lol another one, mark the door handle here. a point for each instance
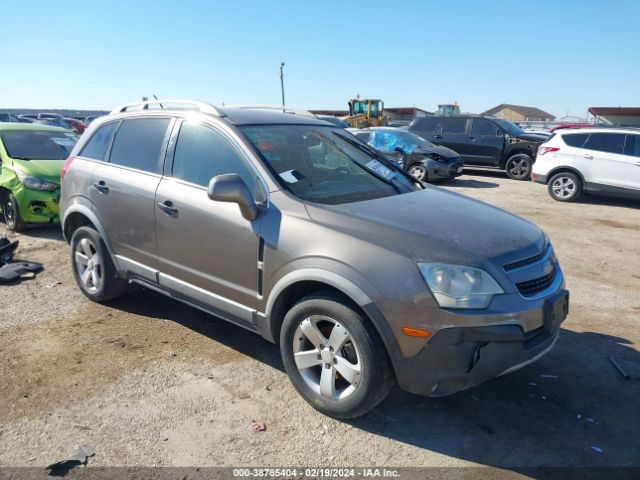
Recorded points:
(586, 155)
(438, 136)
(168, 208)
(101, 187)
(472, 138)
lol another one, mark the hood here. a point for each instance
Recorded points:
(444, 152)
(44, 169)
(435, 225)
(534, 137)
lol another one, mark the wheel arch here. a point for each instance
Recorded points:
(566, 169)
(77, 215)
(516, 151)
(301, 282)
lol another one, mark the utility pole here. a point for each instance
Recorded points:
(282, 83)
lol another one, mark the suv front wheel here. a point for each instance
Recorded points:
(518, 167)
(337, 363)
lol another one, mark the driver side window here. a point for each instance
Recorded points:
(201, 153)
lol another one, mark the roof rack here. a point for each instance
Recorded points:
(281, 108)
(167, 105)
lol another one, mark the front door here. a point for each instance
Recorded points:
(207, 250)
(632, 152)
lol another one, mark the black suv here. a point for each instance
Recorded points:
(483, 141)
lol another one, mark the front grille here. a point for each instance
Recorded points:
(531, 287)
(524, 261)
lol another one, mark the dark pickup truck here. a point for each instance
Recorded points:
(483, 141)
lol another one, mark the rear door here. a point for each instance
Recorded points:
(124, 191)
(454, 135)
(485, 143)
(632, 152)
(602, 162)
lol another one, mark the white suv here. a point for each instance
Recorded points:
(592, 160)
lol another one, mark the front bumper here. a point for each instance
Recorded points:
(38, 206)
(444, 170)
(459, 358)
(470, 347)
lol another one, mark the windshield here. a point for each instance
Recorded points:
(38, 145)
(388, 141)
(326, 165)
(509, 127)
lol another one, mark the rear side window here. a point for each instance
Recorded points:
(455, 125)
(632, 146)
(483, 127)
(606, 142)
(202, 153)
(575, 139)
(427, 124)
(96, 147)
(138, 143)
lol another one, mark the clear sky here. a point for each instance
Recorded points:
(558, 56)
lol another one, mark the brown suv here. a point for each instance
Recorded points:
(290, 227)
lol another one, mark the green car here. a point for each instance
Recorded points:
(31, 157)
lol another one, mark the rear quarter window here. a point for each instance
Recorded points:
(575, 139)
(138, 143)
(96, 147)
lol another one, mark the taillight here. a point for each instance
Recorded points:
(544, 150)
(65, 167)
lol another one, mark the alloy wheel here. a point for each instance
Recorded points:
(327, 357)
(417, 171)
(89, 265)
(519, 167)
(563, 187)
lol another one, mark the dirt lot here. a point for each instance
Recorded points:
(148, 381)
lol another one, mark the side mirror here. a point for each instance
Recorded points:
(231, 188)
(398, 149)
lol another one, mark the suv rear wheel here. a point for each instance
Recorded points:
(565, 187)
(518, 167)
(338, 365)
(93, 268)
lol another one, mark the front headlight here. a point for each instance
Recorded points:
(35, 183)
(458, 286)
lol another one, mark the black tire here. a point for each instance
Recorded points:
(111, 285)
(423, 176)
(11, 213)
(375, 379)
(565, 187)
(518, 167)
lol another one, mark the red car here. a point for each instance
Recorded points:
(571, 125)
(77, 125)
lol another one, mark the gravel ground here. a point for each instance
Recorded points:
(150, 382)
